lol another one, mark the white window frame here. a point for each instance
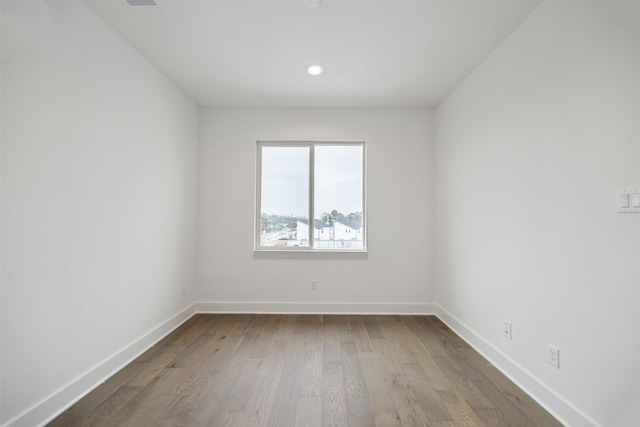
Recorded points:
(311, 238)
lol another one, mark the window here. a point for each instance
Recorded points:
(310, 196)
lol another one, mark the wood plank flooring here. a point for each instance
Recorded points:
(308, 370)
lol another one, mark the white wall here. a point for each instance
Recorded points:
(531, 149)
(398, 274)
(99, 157)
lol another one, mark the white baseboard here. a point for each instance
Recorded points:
(50, 407)
(53, 405)
(314, 308)
(559, 407)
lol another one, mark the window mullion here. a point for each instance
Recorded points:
(312, 222)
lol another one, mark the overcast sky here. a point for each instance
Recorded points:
(338, 180)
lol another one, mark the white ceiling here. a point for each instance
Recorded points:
(381, 53)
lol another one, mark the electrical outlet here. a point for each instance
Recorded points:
(553, 356)
(506, 329)
(314, 284)
(184, 289)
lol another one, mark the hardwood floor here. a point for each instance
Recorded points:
(308, 370)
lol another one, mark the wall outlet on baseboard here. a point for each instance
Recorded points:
(506, 329)
(553, 355)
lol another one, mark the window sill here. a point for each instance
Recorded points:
(308, 254)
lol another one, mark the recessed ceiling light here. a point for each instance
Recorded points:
(315, 70)
(311, 3)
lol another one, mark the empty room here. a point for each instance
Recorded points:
(320, 212)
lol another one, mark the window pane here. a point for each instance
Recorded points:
(338, 197)
(284, 196)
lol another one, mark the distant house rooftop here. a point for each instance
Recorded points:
(316, 223)
(351, 224)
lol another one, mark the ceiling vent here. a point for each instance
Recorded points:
(142, 3)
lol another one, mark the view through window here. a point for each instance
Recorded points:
(296, 178)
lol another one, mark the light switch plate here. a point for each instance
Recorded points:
(627, 200)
